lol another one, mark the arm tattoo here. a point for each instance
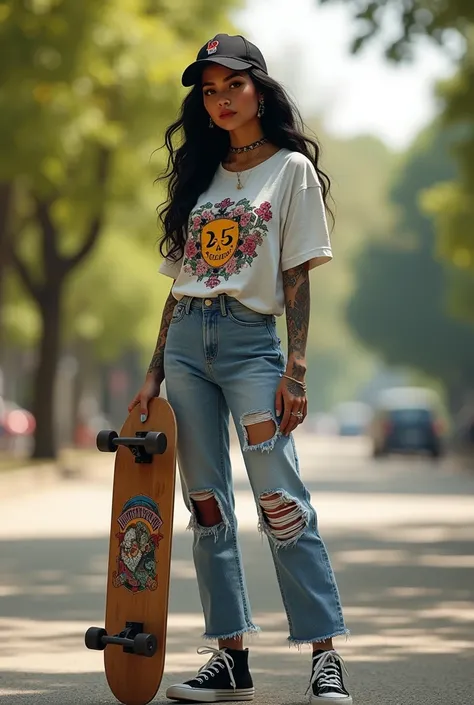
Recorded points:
(156, 365)
(294, 388)
(297, 301)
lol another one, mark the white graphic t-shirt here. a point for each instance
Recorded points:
(240, 241)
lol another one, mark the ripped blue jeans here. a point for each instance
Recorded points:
(222, 357)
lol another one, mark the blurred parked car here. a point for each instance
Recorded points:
(408, 420)
(17, 425)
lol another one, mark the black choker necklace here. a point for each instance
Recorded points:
(249, 147)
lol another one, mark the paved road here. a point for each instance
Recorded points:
(400, 533)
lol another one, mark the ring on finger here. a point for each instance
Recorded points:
(298, 414)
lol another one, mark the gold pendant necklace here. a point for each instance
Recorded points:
(239, 183)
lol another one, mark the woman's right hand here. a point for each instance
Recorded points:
(150, 389)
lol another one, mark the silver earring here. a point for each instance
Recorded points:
(261, 108)
(211, 124)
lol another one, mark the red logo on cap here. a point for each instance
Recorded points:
(212, 46)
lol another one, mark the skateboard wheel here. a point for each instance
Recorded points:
(145, 645)
(155, 443)
(105, 441)
(93, 638)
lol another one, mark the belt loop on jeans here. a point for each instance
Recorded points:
(188, 304)
(222, 304)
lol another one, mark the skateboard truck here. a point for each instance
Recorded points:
(144, 445)
(132, 639)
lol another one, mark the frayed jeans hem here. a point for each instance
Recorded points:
(251, 629)
(318, 639)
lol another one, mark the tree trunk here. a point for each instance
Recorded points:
(49, 294)
(6, 193)
(46, 371)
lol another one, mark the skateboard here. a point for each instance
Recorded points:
(134, 637)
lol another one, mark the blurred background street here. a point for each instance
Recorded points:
(400, 537)
(87, 90)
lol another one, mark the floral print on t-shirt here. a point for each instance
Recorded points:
(224, 239)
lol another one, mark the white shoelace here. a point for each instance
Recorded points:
(327, 672)
(220, 659)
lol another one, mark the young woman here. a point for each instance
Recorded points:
(244, 223)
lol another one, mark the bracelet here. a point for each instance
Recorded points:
(302, 384)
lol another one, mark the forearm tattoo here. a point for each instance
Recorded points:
(297, 302)
(157, 361)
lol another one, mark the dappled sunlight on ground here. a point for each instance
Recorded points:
(393, 557)
(403, 560)
(56, 591)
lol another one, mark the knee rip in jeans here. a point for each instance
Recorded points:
(208, 519)
(283, 518)
(264, 435)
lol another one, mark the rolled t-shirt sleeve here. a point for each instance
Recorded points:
(305, 236)
(170, 268)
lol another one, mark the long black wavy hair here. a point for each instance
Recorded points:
(192, 166)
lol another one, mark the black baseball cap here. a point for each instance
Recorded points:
(234, 52)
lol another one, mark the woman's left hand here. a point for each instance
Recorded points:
(291, 399)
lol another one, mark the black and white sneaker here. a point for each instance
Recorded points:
(225, 676)
(327, 683)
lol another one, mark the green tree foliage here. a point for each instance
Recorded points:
(450, 202)
(398, 308)
(115, 302)
(360, 170)
(408, 20)
(86, 89)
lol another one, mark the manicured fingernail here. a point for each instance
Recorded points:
(143, 418)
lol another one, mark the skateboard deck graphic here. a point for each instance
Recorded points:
(136, 614)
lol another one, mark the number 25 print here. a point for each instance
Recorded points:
(219, 240)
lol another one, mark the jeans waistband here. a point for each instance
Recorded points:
(209, 303)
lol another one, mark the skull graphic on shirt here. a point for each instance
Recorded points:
(219, 239)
